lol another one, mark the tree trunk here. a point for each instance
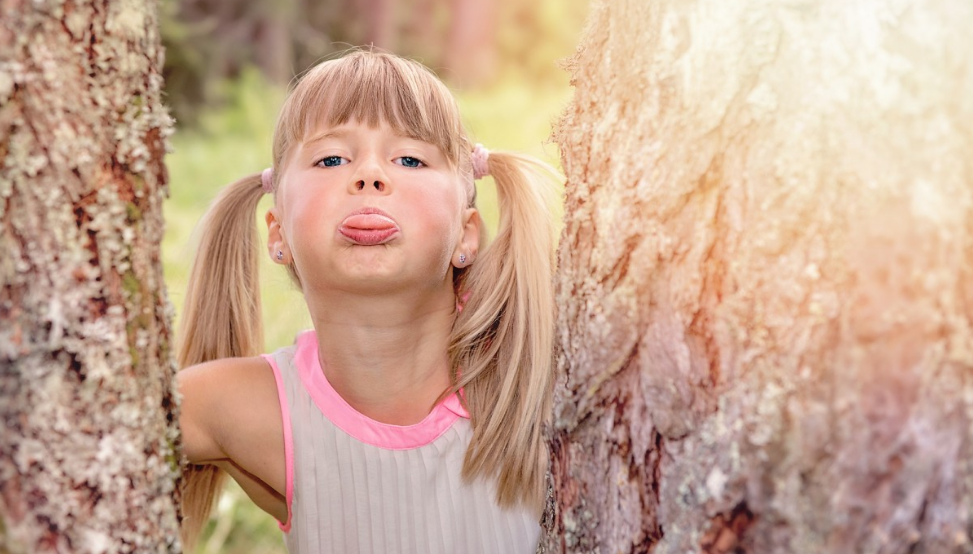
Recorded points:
(471, 52)
(274, 46)
(421, 34)
(379, 19)
(766, 280)
(87, 455)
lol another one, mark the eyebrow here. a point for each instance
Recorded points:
(330, 133)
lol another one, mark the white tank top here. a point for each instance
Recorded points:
(358, 485)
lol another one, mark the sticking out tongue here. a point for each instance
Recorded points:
(368, 229)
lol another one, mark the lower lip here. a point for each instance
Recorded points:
(368, 237)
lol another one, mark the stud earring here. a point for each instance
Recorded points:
(280, 255)
(462, 258)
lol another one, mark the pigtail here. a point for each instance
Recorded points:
(221, 319)
(502, 341)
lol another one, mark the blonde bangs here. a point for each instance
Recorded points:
(373, 88)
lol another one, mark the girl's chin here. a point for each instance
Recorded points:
(365, 278)
(371, 280)
(366, 238)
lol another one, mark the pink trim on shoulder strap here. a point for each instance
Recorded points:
(285, 416)
(360, 426)
(454, 405)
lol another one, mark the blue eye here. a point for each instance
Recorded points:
(409, 161)
(330, 161)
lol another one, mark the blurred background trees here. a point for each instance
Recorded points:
(227, 68)
(469, 43)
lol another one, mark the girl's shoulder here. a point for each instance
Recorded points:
(221, 397)
(230, 417)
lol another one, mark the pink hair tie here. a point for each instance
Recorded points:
(267, 180)
(480, 157)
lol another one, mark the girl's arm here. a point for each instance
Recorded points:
(230, 417)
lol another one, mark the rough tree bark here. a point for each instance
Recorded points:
(766, 279)
(87, 458)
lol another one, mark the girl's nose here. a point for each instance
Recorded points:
(379, 186)
(369, 176)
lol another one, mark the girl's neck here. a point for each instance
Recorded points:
(386, 356)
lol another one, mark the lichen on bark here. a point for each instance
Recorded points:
(766, 280)
(87, 456)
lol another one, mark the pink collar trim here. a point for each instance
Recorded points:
(360, 426)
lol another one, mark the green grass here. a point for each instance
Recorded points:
(234, 141)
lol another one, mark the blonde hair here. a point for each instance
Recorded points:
(502, 341)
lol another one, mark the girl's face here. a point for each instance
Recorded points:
(363, 209)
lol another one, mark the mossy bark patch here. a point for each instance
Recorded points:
(88, 457)
(765, 282)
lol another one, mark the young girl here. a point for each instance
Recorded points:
(411, 418)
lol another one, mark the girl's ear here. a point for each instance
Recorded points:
(469, 239)
(276, 243)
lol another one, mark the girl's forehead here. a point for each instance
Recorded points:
(324, 128)
(355, 129)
